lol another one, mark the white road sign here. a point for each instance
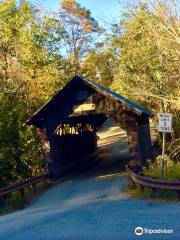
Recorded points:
(165, 122)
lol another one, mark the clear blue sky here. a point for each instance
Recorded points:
(105, 11)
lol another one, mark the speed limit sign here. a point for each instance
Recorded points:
(165, 122)
(164, 126)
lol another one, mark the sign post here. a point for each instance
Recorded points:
(164, 126)
(163, 153)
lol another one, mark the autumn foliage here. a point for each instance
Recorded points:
(138, 57)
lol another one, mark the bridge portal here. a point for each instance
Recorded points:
(68, 123)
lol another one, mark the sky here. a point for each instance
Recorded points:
(104, 11)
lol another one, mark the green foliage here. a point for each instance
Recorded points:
(172, 169)
(33, 66)
(172, 172)
(15, 200)
(27, 78)
(39, 53)
(148, 193)
(145, 68)
(99, 66)
(147, 45)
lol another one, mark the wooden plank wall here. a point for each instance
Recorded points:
(70, 153)
(137, 127)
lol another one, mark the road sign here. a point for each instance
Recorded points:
(164, 126)
(165, 123)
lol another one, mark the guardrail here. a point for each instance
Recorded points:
(144, 181)
(5, 192)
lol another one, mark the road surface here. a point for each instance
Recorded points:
(93, 205)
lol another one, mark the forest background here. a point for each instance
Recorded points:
(138, 57)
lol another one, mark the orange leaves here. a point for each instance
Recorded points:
(73, 8)
(80, 30)
(68, 5)
(73, 14)
(99, 44)
(87, 26)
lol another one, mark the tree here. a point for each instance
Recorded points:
(80, 31)
(148, 60)
(99, 66)
(144, 61)
(28, 75)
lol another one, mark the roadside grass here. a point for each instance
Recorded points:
(172, 169)
(15, 201)
(153, 169)
(147, 193)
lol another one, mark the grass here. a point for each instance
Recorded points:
(147, 193)
(15, 201)
(172, 169)
(172, 172)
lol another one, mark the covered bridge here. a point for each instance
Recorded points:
(68, 123)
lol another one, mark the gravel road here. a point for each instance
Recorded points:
(93, 205)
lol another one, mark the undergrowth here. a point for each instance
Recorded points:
(153, 169)
(172, 169)
(15, 202)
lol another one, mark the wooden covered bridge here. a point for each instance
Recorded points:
(68, 123)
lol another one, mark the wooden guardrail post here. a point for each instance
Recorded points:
(22, 192)
(178, 194)
(154, 183)
(5, 201)
(20, 187)
(34, 188)
(142, 188)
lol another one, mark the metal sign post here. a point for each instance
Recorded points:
(164, 126)
(163, 152)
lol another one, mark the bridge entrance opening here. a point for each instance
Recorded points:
(113, 150)
(68, 126)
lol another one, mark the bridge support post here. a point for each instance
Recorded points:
(144, 139)
(45, 145)
(34, 189)
(139, 138)
(133, 138)
(43, 138)
(22, 192)
(54, 165)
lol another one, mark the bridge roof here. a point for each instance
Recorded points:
(73, 84)
(117, 96)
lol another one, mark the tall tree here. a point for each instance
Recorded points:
(80, 31)
(145, 60)
(148, 60)
(28, 74)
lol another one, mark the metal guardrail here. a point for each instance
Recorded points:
(144, 181)
(5, 192)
